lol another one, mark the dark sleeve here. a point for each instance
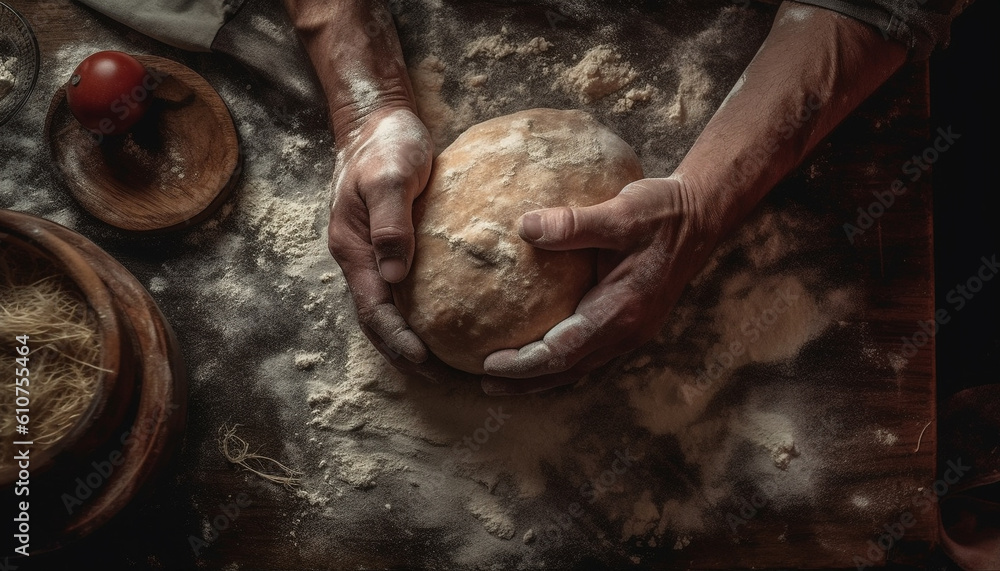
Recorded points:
(921, 25)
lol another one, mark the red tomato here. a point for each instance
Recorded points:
(109, 91)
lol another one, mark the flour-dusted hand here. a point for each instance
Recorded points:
(384, 156)
(382, 166)
(813, 69)
(653, 238)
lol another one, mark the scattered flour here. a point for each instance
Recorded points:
(157, 284)
(490, 511)
(634, 96)
(599, 73)
(293, 149)
(690, 102)
(885, 437)
(499, 46)
(476, 81)
(773, 433)
(287, 226)
(307, 361)
(369, 400)
(427, 78)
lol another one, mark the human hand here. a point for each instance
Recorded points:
(383, 163)
(652, 238)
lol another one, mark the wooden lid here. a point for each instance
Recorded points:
(172, 170)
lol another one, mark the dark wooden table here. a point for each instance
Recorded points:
(892, 260)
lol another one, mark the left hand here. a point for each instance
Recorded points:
(382, 165)
(653, 238)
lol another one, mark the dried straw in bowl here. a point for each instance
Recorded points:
(65, 348)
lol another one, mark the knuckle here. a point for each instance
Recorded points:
(388, 178)
(391, 234)
(392, 241)
(337, 242)
(336, 249)
(632, 319)
(418, 157)
(366, 318)
(562, 223)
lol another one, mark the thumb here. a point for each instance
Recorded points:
(603, 225)
(390, 215)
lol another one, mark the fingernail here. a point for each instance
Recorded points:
(531, 226)
(392, 269)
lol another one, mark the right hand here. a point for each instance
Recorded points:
(383, 164)
(652, 239)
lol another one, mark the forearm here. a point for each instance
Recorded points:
(813, 69)
(355, 50)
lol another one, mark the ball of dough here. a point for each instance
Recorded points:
(475, 286)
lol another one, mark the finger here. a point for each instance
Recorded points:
(433, 369)
(562, 347)
(604, 325)
(348, 241)
(499, 386)
(390, 213)
(387, 323)
(378, 315)
(603, 225)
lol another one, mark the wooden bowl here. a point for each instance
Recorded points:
(24, 245)
(78, 495)
(173, 169)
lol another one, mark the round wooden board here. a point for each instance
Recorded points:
(151, 432)
(174, 168)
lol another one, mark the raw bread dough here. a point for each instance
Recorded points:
(474, 286)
